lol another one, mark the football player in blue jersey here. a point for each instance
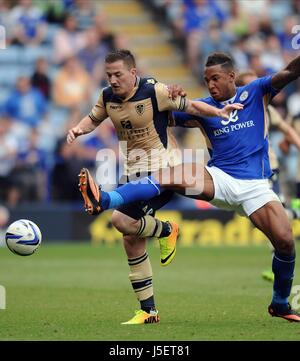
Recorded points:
(236, 176)
(275, 121)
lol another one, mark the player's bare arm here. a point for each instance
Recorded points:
(85, 126)
(287, 75)
(199, 108)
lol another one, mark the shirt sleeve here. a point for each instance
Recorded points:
(164, 102)
(265, 84)
(98, 112)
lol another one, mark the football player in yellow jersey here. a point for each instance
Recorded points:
(275, 121)
(139, 109)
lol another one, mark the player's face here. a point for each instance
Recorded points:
(220, 82)
(121, 78)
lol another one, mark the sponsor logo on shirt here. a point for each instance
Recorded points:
(115, 106)
(232, 118)
(233, 127)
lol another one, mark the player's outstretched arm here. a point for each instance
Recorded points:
(287, 75)
(85, 126)
(199, 108)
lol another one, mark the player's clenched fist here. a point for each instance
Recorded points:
(73, 134)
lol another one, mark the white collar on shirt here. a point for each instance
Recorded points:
(229, 101)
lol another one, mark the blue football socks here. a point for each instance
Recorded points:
(283, 269)
(142, 190)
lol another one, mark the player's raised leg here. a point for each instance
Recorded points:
(189, 179)
(95, 201)
(272, 220)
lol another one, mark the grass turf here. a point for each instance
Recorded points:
(82, 292)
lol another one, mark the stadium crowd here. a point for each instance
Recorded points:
(52, 69)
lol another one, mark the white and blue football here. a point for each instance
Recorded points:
(23, 237)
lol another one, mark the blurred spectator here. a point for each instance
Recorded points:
(255, 38)
(92, 56)
(111, 40)
(280, 103)
(75, 115)
(254, 7)
(295, 5)
(293, 102)
(68, 40)
(286, 35)
(4, 219)
(8, 158)
(101, 138)
(72, 85)
(84, 11)
(65, 171)
(237, 21)
(6, 20)
(197, 15)
(31, 26)
(53, 10)
(25, 103)
(265, 25)
(271, 57)
(29, 172)
(239, 53)
(256, 64)
(174, 11)
(216, 39)
(40, 79)
(278, 11)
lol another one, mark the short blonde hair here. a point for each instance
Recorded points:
(240, 78)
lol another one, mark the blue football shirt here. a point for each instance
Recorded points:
(238, 145)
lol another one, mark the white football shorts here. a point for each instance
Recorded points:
(241, 195)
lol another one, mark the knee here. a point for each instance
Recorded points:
(285, 242)
(121, 222)
(118, 221)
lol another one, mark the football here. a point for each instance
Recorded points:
(23, 237)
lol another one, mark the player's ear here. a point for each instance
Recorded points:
(232, 76)
(133, 71)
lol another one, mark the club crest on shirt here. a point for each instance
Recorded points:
(140, 108)
(244, 95)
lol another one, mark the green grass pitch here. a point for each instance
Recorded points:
(82, 292)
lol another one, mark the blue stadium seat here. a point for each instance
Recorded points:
(9, 75)
(10, 56)
(51, 31)
(4, 94)
(31, 54)
(58, 116)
